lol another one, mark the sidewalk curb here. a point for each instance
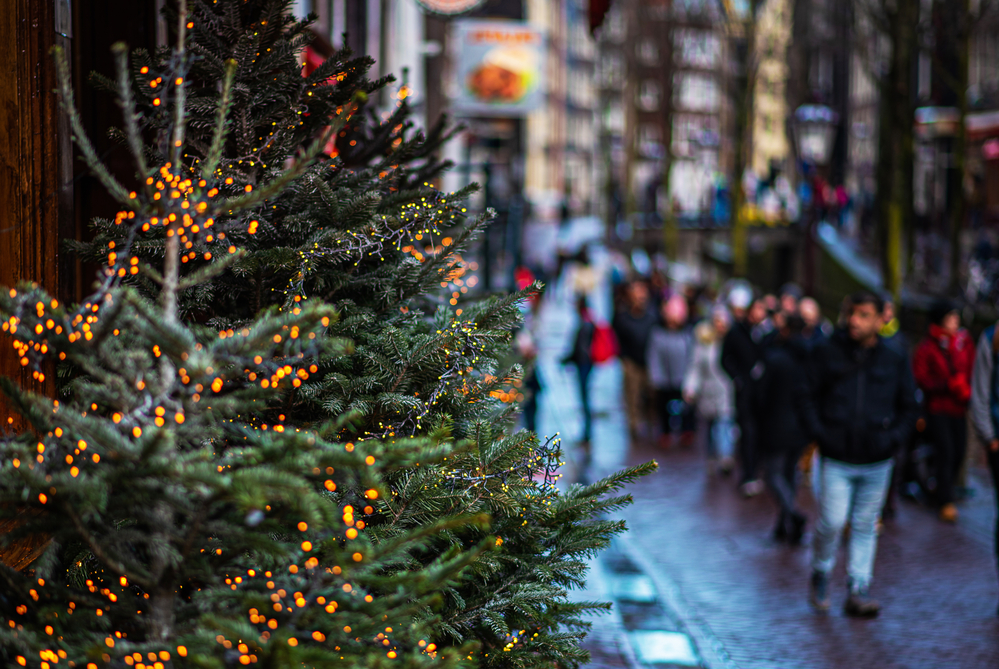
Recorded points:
(709, 648)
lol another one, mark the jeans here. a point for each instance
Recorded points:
(636, 402)
(747, 434)
(674, 414)
(781, 473)
(583, 376)
(950, 443)
(532, 384)
(856, 492)
(720, 437)
(993, 457)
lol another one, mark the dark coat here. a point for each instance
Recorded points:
(633, 334)
(862, 402)
(582, 344)
(740, 354)
(779, 394)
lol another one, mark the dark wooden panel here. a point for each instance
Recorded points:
(29, 162)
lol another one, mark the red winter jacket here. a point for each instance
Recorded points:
(942, 366)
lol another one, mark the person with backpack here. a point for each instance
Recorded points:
(984, 407)
(942, 365)
(861, 406)
(708, 388)
(670, 351)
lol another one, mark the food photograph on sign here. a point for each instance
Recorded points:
(449, 7)
(499, 67)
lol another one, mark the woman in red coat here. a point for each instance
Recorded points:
(942, 365)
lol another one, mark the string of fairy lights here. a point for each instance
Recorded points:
(178, 201)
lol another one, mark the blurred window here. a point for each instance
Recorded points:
(697, 48)
(648, 51)
(649, 94)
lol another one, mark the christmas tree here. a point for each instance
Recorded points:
(311, 363)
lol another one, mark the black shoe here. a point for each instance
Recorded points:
(860, 605)
(796, 529)
(818, 592)
(780, 531)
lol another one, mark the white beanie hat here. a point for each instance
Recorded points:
(740, 297)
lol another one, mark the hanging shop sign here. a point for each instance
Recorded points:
(499, 66)
(449, 7)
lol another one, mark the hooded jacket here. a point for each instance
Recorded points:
(706, 381)
(669, 355)
(861, 405)
(740, 353)
(942, 365)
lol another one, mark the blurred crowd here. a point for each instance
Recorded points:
(783, 394)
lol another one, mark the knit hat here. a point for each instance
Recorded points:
(740, 297)
(792, 289)
(940, 309)
(676, 309)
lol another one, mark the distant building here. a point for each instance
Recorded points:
(661, 75)
(562, 142)
(770, 143)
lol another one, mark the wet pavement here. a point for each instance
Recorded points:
(698, 580)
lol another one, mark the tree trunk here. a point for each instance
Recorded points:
(895, 168)
(958, 207)
(743, 139)
(670, 231)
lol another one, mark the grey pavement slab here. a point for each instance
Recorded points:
(656, 647)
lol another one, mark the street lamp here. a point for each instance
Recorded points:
(814, 128)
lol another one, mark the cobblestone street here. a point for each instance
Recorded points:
(698, 580)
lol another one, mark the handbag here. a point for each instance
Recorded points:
(603, 345)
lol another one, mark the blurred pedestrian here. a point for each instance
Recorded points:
(891, 331)
(710, 390)
(790, 297)
(670, 352)
(741, 352)
(526, 343)
(985, 407)
(860, 408)
(815, 330)
(815, 326)
(582, 358)
(771, 302)
(783, 439)
(633, 324)
(942, 365)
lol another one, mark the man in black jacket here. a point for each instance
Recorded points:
(861, 407)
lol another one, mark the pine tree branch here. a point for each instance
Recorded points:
(93, 161)
(135, 574)
(214, 156)
(127, 103)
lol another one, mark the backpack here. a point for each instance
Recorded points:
(603, 345)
